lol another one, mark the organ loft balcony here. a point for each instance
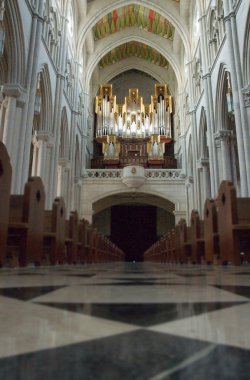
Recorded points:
(134, 133)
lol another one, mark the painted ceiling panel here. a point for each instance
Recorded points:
(133, 15)
(133, 49)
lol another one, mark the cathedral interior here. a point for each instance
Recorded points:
(124, 189)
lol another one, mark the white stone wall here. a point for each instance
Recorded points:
(70, 81)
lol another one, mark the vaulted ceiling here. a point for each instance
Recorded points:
(123, 34)
(133, 49)
(136, 16)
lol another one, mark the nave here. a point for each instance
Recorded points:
(140, 321)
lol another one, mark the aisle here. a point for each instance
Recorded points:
(133, 321)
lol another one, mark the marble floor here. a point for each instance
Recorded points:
(133, 321)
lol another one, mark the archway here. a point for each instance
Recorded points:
(133, 221)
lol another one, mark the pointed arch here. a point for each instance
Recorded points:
(13, 66)
(43, 112)
(246, 53)
(101, 9)
(220, 103)
(140, 38)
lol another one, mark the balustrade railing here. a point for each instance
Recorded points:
(103, 173)
(150, 174)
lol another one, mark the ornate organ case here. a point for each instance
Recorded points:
(133, 132)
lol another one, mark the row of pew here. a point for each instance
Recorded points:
(222, 236)
(29, 234)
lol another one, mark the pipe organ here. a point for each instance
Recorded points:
(133, 132)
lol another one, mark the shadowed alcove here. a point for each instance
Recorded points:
(133, 221)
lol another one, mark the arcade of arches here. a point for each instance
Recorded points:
(88, 88)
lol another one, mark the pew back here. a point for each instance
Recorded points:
(5, 184)
(26, 219)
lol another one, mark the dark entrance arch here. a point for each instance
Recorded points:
(133, 229)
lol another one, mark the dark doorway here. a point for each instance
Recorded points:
(133, 229)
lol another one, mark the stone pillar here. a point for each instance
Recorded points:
(204, 182)
(222, 137)
(192, 113)
(77, 197)
(242, 131)
(58, 108)
(25, 136)
(209, 107)
(190, 197)
(13, 100)
(43, 142)
(9, 121)
(63, 183)
(206, 178)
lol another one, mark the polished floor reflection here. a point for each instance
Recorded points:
(125, 321)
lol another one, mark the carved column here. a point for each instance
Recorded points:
(58, 107)
(242, 129)
(209, 107)
(25, 134)
(43, 144)
(63, 182)
(205, 187)
(222, 137)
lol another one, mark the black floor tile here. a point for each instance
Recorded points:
(135, 283)
(146, 315)
(222, 363)
(137, 355)
(191, 274)
(80, 275)
(133, 356)
(236, 289)
(28, 292)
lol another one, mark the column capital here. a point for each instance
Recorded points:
(189, 180)
(203, 162)
(64, 162)
(222, 134)
(45, 136)
(14, 90)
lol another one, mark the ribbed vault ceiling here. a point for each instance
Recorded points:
(133, 49)
(131, 16)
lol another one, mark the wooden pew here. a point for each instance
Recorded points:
(233, 224)
(211, 235)
(26, 221)
(89, 243)
(185, 241)
(163, 249)
(5, 184)
(171, 246)
(72, 237)
(54, 233)
(197, 238)
(83, 241)
(177, 244)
